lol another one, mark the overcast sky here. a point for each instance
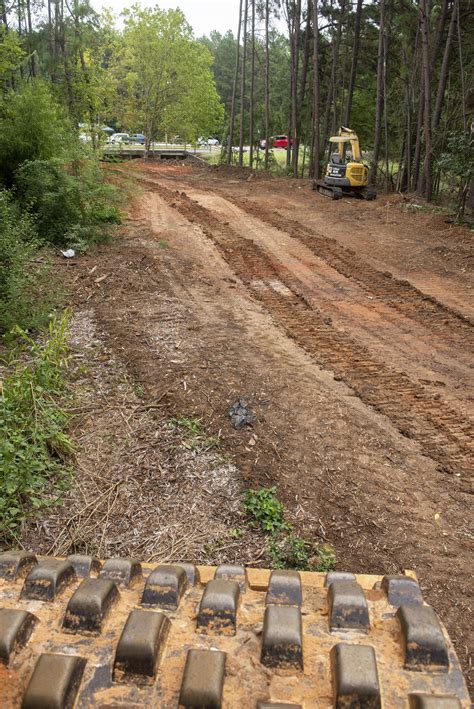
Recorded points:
(202, 15)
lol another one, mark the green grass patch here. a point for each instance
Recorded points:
(34, 445)
(276, 164)
(195, 435)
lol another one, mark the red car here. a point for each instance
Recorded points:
(277, 141)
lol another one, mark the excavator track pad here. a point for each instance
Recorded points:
(78, 632)
(327, 190)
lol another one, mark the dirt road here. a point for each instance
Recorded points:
(347, 326)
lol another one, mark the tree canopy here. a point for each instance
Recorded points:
(399, 71)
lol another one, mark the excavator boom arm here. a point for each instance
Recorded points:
(346, 135)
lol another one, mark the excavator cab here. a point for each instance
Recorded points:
(345, 172)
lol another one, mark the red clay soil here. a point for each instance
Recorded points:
(346, 325)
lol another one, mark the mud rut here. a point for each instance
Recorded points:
(443, 434)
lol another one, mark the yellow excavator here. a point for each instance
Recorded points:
(346, 174)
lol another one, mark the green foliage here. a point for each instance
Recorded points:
(286, 549)
(289, 551)
(11, 55)
(33, 442)
(327, 558)
(164, 77)
(33, 127)
(70, 210)
(457, 165)
(293, 552)
(16, 247)
(197, 438)
(193, 425)
(52, 196)
(458, 158)
(222, 48)
(266, 508)
(27, 288)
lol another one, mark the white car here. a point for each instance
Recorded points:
(119, 138)
(207, 141)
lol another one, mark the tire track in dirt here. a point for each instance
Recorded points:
(399, 294)
(397, 340)
(443, 434)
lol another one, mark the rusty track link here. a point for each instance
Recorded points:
(399, 294)
(443, 434)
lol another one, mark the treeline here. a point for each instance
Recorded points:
(149, 76)
(66, 73)
(399, 72)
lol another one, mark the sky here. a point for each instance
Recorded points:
(202, 15)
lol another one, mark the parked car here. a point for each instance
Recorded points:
(118, 138)
(207, 141)
(276, 141)
(280, 141)
(138, 138)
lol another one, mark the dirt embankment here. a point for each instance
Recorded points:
(348, 328)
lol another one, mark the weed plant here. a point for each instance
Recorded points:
(196, 438)
(266, 509)
(34, 448)
(286, 549)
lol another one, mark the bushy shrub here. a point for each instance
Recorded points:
(33, 126)
(17, 242)
(68, 210)
(51, 196)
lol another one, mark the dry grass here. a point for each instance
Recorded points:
(143, 486)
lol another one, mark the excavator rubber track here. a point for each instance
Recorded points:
(366, 193)
(78, 632)
(327, 190)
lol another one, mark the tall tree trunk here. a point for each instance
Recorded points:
(267, 82)
(294, 86)
(355, 59)
(316, 150)
(409, 85)
(385, 113)
(19, 9)
(331, 96)
(51, 36)
(443, 75)
(242, 86)
(252, 87)
(306, 54)
(439, 33)
(406, 182)
(30, 37)
(380, 96)
(419, 126)
(426, 67)
(19, 15)
(461, 70)
(234, 88)
(56, 38)
(401, 162)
